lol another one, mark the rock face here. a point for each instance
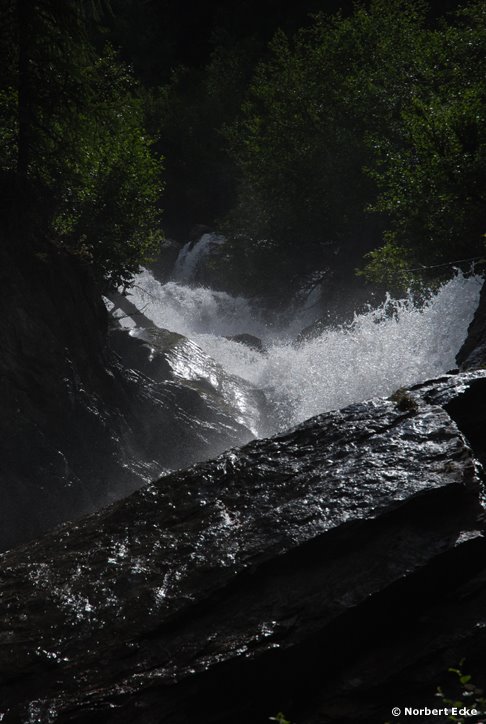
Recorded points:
(209, 409)
(249, 340)
(473, 352)
(164, 263)
(53, 375)
(330, 572)
(82, 424)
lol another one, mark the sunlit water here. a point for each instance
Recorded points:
(397, 344)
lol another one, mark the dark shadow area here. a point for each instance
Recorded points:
(468, 411)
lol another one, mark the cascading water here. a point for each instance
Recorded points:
(192, 254)
(397, 344)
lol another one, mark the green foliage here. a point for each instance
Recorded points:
(404, 401)
(280, 718)
(468, 695)
(390, 265)
(74, 140)
(377, 112)
(358, 136)
(107, 207)
(302, 141)
(432, 175)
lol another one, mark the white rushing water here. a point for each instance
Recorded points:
(192, 254)
(383, 349)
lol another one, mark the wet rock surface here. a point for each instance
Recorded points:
(330, 572)
(82, 424)
(473, 352)
(211, 408)
(249, 340)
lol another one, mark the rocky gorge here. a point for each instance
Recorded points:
(331, 571)
(242, 362)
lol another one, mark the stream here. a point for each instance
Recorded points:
(399, 343)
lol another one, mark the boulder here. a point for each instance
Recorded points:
(312, 331)
(330, 572)
(226, 409)
(249, 340)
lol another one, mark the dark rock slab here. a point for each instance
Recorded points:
(320, 572)
(473, 352)
(213, 409)
(55, 388)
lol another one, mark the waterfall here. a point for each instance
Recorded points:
(192, 254)
(399, 343)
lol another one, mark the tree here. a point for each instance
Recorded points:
(74, 138)
(432, 175)
(108, 205)
(302, 141)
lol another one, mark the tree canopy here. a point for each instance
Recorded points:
(330, 137)
(74, 144)
(432, 176)
(381, 111)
